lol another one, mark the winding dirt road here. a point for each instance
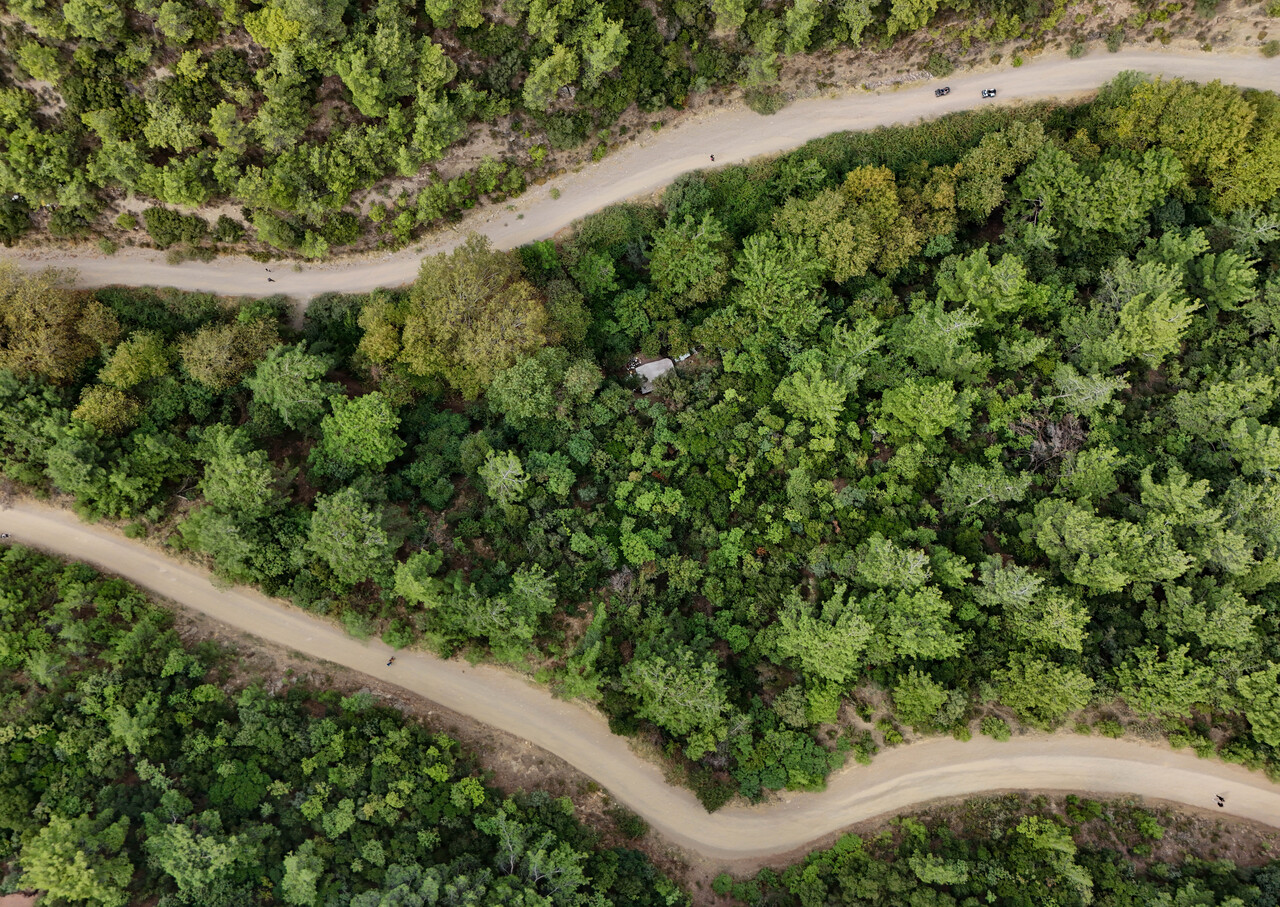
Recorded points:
(898, 779)
(733, 135)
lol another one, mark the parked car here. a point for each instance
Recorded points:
(939, 92)
(988, 92)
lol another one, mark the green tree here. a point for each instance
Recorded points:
(219, 355)
(1042, 691)
(1260, 691)
(468, 316)
(548, 76)
(79, 860)
(351, 537)
(689, 262)
(359, 436)
(826, 643)
(917, 699)
(238, 478)
(143, 357)
(48, 329)
(682, 694)
(505, 480)
(920, 408)
(289, 381)
(603, 42)
(1172, 685)
(780, 285)
(108, 409)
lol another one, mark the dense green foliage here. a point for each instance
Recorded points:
(983, 411)
(997, 852)
(293, 108)
(128, 771)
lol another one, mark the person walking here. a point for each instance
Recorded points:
(713, 158)
(389, 660)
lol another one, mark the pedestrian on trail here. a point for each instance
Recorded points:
(1222, 801)
(271, 280)
(713, 158)
(389, 660)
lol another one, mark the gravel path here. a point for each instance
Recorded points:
(897, 780)
(733, 134)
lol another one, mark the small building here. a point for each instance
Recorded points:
(650, 371)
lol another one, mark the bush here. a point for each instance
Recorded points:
(227, 229)
(169, 227)
(1115, 40)
(67, 222)
(1109, 728)
(126, 221)
(1271, 49)
(996, 728)
(939, 65)
(1076, 51)
(629, 824)
(723, 884)
(764, 101)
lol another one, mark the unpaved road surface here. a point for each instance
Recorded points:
(733, 134)
(897, 780)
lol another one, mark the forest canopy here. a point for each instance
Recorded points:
(980, 414)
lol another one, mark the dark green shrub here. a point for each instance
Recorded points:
(939, 65)
(168, 227)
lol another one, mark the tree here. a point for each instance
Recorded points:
(504, 477)
(219, 355)
(920, 408)
(358, 436)
(108, 409)
(827, 644)
(1260, 691)
(1168, 686)
(469, 315)
(684, 695)
(910, 15)
(302, 870)
(143, 357)
(780, 285)
(917, 699)
(351, 537)
(548, 76)
(47, 329)
(100, 21)
(730, 14)
(688, 261)
(450, 13)
(79, 860)
(1042, 691)
(238, 478)
(289, 382)
(603, 43)
(197, 861)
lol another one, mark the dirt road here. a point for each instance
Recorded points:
(896, 780)
(733, 135)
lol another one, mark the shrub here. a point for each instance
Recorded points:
(227, 229)
(1109, 728)
(107, 247)
(1115, 40)
(1076, 51)
(168, 227)
(764, 101)
(1271, 49)
(629, 824)
(723, 884)
(126, 221)
(939, 65)
(996, 728)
